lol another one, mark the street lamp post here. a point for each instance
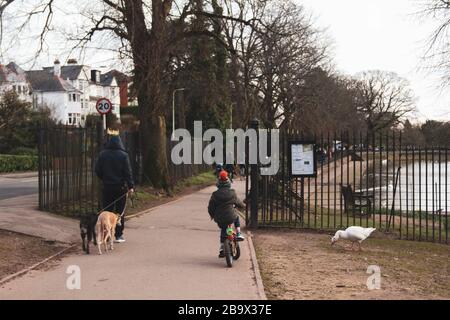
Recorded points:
(173, 110)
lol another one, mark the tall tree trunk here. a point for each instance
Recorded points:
(149, 60)
(154, 150)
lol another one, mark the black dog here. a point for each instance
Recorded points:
(87, 230)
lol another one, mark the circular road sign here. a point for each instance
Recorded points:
(103, 106)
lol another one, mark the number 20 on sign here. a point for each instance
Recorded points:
(104, 106)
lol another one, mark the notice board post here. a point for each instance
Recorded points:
(254, 182)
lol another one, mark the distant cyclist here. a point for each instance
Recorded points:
(229, 168)
(218, 170)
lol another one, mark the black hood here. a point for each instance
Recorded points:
(115, 143)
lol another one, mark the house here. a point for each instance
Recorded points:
(12, 77)
(59, 95)
(82, 87)
(124, 82)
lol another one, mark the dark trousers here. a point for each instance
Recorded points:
(110, 194)
(223, 230)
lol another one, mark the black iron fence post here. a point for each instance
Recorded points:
(40, 166)
(302, 202)
(254, 192)
(100, 142)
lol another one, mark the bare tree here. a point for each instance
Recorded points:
(271, 61)
(244, 44)
(291, 51)
(150, 30)
(326, 100)
(383, 99)
(438, 46)
(3, 5)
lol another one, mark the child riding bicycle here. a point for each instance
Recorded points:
(221, 209)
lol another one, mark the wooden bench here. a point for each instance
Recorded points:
(355, 202)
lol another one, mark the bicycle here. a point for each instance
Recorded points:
(231, 247)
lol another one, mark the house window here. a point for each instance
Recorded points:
(69, 121)
(73, 97)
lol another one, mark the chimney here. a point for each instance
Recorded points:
(72, 61)
(95, 76)
(57, 68)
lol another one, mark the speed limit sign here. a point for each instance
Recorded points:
(103, 106)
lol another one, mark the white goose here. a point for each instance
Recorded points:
(353, 234)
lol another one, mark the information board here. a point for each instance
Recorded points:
(302, 159)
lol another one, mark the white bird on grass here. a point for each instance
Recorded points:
(353, 234)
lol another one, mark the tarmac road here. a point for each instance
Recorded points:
(16, 185)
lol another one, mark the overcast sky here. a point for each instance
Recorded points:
(383, 35)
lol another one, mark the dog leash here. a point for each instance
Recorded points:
(126, 202)
(114, 202)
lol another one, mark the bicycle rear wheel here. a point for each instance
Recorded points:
(228, 251)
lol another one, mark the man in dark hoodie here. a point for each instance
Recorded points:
(221, 209)
(114, 169)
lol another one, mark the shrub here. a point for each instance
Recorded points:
(14, 163)
(24, 151)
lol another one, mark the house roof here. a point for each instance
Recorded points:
(71, 72)
(106, 79)
(12, 73)
(120, 76)
(42, 80)
(14, 68)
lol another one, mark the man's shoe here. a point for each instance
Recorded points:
(119, 240)
(221, 254)
(240, 237)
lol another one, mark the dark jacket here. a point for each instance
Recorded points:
(113, 165)
(221, 205)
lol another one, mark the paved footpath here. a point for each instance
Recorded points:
(170, 253)
(21, 214)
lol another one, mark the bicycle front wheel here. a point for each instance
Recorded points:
(236, 251)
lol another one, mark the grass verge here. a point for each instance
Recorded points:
(148, 197)
(303, 265)
(18, 251)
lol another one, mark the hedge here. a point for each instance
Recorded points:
(23, 151)
(10, 163)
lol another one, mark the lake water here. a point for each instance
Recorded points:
(423, 186)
